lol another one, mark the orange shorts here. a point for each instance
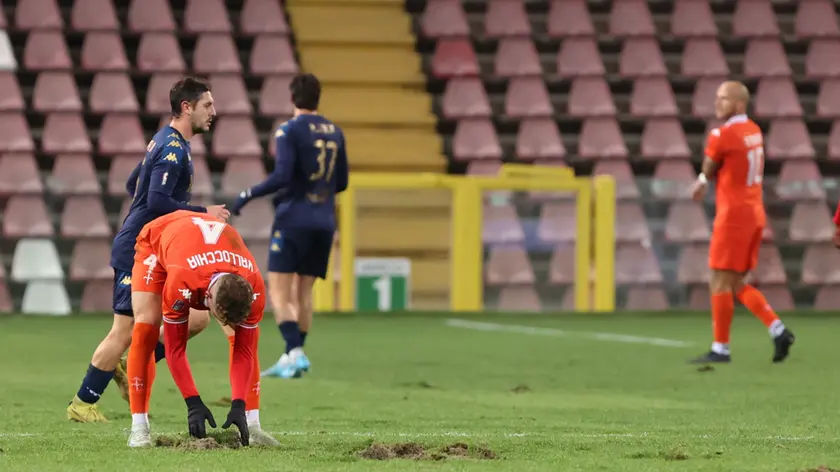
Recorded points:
(733, 248)
(147, 275)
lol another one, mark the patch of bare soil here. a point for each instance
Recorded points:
(414, 451)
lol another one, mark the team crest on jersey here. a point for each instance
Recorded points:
(171, 157)
(125, 280)
(150, 146)
(178, 305)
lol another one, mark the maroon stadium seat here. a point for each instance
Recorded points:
(776, 97)
(206, 16)
(561, 267)
(465, 98)
(11, 98)
(19, 174)
(483, 167)
(508, 265)
(26, 216)
(94, 15)
(202, 181)
(631, 18)
(754, 18)
(788, 139)
(703, 57)
(693, 18)
(506, 18)
(778, 296)
(821, 264)
(103, 51)
(230, 96)
(501, 225)
(672, 180)
(663, 138)
(601, 138)
(641, 57)
(73, 174)
(703, 100)
(800, 180)
(56, 91)
(828, 100)
(275, 97)
(235, 136)
(475, 139)
(14, 133)
(6, 302)
(569, 18)
(262, 17)
(816, 18)
(121, 167)
(216, 54)
(811, 222)
(823, 59)
(590, 96)
(636, 264)
(699, 298)
(46, 50)
(65, 133)
(834, 141)
(769, 269)
(453, 58)
(90, 260)
(150, 15)
(242, 173)
(112, 92)
(197, 145)
(693, 264)
(97, 296)
(84, 217)
(157, 94)
(631, 224)
(579, 57)
(653, 96)
(160, 52)
(558, 222)
(519, 298)
(271, 55)
(646, 299)
(626, 187)
(444, 18)
(121, 134)
(539, 138)
(517, 57)
(38, 14)
(254, 223)
(687, 222)
(828, 298)
(527, 97)
(765, 57)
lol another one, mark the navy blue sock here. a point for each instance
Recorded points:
(94, 384)
(160, 352)
(291, 333)
(303, 338)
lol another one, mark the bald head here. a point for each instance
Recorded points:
(731, 99)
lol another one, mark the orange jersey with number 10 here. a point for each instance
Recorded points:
(737, 146)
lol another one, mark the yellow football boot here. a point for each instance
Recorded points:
(121, 378)
(84, 412)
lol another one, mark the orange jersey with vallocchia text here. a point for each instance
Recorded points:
(737, 146)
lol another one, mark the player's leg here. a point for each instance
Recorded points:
(284, 259)
(314, 265)
(252, 401)
(303, 291)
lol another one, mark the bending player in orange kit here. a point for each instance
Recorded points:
(193, 260)
(735, 155)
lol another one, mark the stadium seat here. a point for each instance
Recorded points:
(65, 133)
(262, 17)
(11, 98)
(454, 58)
(754, 18)
(508, 265)
(73, 174)
(103, 51)
(26, 216)
(821, 264)
(539, 138)
(653, 96)
(202, 180)
(206, 16)
(112, 92)
(483, 167)
(527, 97)
(19, 174)
(197, 146)
(699, 298)
(776, 97)
(687, 223)
(271, 55)
(157, 94)
(626, 187)
(569, 18)
(46, 50)
(444, 18)
(641, 57)
(160, 52)
(811, 222)
(84, 217)
(235, 136)
(631, 224)
(558, 222)
(646, 299)
(91, 260)
(636, 264)
(121, 134)
(823, 59)
(631, 18)
(6, 302)
(150, 15)
(788, 139)
(601, 138)
(663, 138)
(36, 259)
(501, 225)
(216, 54)
(506, 18)
(97, 296)
(703, 57)
(770, 269)
(672, 180)
(229, 95)
(242, 173)
(464, 97)
(56, 91)
(778, 296)
(765, 58)
(38, 15)
(579, 57)
(590, 96)
(692, 18)
(828, 99)
(275, 97)
(254, 223)
(121, 167)
(828, 298)
(519, 298)
(42, 297)
(561, 267)
(94, 15)
(693, 264)
(475, 139)
(815, 19)
(834, 141)
(800, 180)
(517, 57)
(703, 99)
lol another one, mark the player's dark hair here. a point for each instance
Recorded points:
(188, 89)
(234, 298)
(306, 91)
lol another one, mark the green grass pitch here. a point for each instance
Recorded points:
(543, 393)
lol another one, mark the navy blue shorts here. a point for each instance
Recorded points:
(122, 293)
(300, 251)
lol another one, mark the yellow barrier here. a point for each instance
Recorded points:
(594, 249)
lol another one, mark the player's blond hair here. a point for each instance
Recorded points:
(234, 298)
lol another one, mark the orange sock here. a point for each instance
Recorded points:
(723, 307)
(140, 358)
(151, 372)
(753, 299)
(252, 400)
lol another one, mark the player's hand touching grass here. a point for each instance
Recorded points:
(236, 416)
(218, 211)
(197, 414)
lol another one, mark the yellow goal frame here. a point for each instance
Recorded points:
(594, 245)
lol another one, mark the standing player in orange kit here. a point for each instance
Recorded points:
(193, 260)
(735, 155)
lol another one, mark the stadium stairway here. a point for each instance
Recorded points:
(363, 51)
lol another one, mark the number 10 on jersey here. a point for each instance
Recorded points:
(755, 172)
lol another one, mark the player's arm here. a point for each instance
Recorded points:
(342, 168)
(284, 165)
(131, 183)
(164, 179)
(175, 334)
(713, 158)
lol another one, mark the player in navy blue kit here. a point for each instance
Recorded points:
(310, 169)
(161, 184)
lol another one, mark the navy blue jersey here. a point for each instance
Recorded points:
(161, 184)
(310, 169)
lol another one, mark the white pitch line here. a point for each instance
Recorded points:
(540, 331)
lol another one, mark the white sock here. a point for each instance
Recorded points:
(720, 348)
(776, 328)
(253, 418)
(139, 419)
